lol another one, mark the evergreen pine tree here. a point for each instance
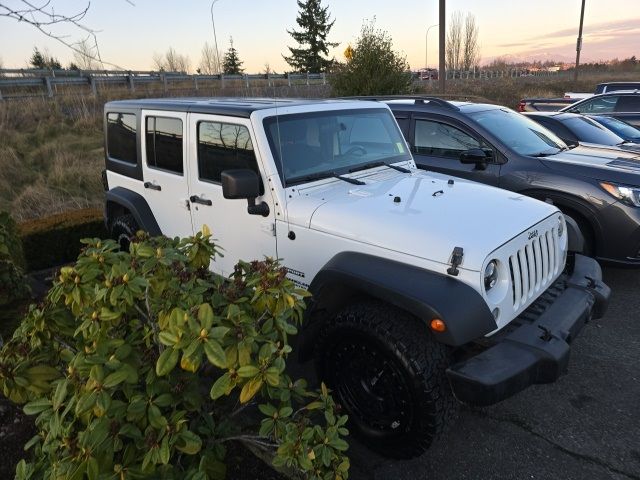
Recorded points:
(315, 23)
(231, 64)
(37, 59)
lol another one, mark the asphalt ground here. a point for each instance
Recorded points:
(586, 426)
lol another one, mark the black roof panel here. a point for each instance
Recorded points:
(230, 106)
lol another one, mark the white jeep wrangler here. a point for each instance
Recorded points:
(426, 288)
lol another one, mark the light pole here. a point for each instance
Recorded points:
(442, 42)
(579, 44)
(426, 46)
(215, 39)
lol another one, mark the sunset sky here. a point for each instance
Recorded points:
(129, 35)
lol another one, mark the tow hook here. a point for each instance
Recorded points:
(456, 261)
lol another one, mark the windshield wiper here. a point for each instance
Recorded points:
(379, 164)
(547, 154)
(318, 176)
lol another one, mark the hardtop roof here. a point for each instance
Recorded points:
(230, 106)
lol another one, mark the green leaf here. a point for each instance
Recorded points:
(205, 315)
(155, 417)
(218, 332)
(248, 371)
(189, 442)
(37, 406)
(167, 338)
(163, 400)
(92, 468)
(267, 409)
(220, 386)
(115, 378)
(250, 389)
(339, 444)
(85, 402)
(60, 394)
(165, 453)
(215, 353)
(167, 361)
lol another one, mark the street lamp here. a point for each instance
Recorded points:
(426, 46)
(215, 40)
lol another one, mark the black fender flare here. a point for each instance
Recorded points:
(425, 294)
(134, 203)
(572, 202)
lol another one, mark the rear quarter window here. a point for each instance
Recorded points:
(121, 137)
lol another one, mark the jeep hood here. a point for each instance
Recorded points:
(422, 214)
(598, 162)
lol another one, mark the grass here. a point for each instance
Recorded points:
(51, 152)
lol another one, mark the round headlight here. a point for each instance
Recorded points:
(560, 227)
(490, 275)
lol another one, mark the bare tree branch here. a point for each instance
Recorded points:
(43, 17)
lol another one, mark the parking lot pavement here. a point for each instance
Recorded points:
(586, 426)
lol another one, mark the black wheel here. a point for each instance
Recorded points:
(123, 229)
(388, 374)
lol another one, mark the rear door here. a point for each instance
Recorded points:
(165, 170)
(437, 143)
(217, 144)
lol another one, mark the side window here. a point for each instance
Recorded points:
(628, 103)
(164, 144)
(223, 146)
(442, 140)
(599, 105)
(121, 137)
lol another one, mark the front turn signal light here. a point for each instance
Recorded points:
(438, 325)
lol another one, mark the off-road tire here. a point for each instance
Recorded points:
(411, 359)
(123, 229)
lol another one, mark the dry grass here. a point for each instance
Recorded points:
(51, 150)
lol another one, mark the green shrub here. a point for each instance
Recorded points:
(13, 284)
(141, 364)
(373, 68)
(55, 240)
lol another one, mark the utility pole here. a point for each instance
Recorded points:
(579, 44)
(442, 30)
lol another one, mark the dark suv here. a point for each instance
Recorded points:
(597, 187)
(575, 129)
(624, 105)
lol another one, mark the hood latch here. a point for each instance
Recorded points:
(456, 261)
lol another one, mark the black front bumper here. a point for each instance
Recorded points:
(534, 348)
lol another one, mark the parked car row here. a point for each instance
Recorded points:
(428, 287)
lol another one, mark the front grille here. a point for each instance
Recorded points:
(533, 267)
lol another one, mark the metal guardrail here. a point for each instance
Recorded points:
(47, 80)
(18, 83)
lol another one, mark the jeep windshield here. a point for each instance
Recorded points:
(519, 133)
(312, 146)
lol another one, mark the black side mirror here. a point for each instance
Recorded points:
(244, 184)
(475, 156)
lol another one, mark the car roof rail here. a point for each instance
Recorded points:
(418, 99)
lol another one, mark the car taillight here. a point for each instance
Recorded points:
(521, 106)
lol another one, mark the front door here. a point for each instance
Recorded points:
(437, 145)
(165, 171)
(217, 144)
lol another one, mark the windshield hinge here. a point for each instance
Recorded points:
(456, 261)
